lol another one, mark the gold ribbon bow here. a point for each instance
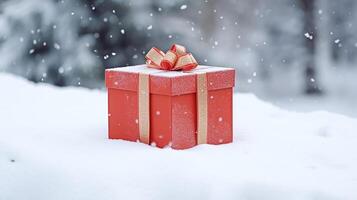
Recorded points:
(176, 58)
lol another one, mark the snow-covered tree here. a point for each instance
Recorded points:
(40, 40)
(72, 42)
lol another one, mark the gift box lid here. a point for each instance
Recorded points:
(169, 82)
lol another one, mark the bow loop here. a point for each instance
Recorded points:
(175, 59)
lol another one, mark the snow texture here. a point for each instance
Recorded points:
(163, 73)
(54, 145)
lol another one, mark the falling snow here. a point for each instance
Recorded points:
(308, 36)
(183, 7)
(57, 46)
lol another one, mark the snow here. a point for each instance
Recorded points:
(53, 145)
(183, 7)
(163, 73)
(307, 35)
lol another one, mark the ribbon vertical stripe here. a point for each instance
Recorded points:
(144, 108)
(202, 104)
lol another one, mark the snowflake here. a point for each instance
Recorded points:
(308, 36)
(57, 46)
(183, 7)
(149, 27)
(61, 70)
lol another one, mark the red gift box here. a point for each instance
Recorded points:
(170, 108)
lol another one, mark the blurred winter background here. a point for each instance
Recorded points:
(298, 54)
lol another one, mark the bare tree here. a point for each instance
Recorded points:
(309, 28)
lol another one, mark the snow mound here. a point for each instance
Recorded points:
(53, 145)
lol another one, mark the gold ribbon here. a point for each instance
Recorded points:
(175, 59)
(202, 103)
(144, 108)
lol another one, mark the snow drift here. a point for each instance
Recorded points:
(53, 145)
